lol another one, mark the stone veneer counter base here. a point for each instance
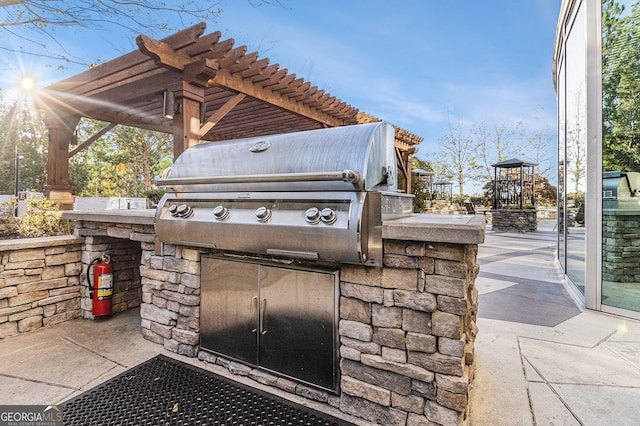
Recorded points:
(406, 329)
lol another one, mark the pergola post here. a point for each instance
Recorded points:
(61, 131)
(186, 117)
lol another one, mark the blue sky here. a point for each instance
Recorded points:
(414, 63)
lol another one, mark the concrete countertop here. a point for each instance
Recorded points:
(136, 216)
(437, 228)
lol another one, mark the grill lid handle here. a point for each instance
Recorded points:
(347, 175)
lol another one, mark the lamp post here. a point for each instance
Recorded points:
(17, 187)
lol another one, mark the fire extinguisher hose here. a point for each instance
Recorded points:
(89, 269)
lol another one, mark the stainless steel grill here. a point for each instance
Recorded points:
(318, 195)
(621, 190)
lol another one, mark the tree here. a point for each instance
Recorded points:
(32, 21)
(456, 158)
(538, 144)
(498, 143)
(576, 161)
(123, 163)
(419, 186)
(621, 86)
(544, 191)
(22, 132)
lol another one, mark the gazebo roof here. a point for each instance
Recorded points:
(422, 172)
(514, 162)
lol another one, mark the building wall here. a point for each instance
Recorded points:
(593, 74)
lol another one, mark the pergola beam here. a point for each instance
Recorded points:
(92, 139)
(220, 113)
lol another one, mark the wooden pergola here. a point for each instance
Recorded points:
(198, 88)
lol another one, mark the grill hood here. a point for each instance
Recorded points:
(336, 159)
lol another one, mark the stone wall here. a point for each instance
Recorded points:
(514, 220)
(407, 333)
(621, 247)
(406, 330)
(170, 308)
(126, 244)
(39, 282)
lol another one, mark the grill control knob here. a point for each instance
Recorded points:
(221, 212)
(184, 210)
(173, 210)
(312, 215)
(263, 214)
(328, 216)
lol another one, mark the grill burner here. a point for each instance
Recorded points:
(318, 195)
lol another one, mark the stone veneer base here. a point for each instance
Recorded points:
(406, 329)
(514, 220)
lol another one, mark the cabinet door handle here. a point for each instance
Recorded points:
(263, 307)
(254, 310)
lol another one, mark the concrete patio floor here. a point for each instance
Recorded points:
(540, 360)
(53, 364)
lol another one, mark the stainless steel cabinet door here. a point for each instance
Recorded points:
(298, 324)
(229, 308)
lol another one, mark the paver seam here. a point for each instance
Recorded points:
(43, 382)
(516, 253)
(83, 387)
(619, 355)
(523, 359)
(86, 348)
(524, 374)
(566, 343)
(592, 385)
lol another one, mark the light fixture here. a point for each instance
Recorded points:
(203, 111)
(168, 104)
(17, 178)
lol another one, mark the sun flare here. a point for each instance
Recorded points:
(27, 83)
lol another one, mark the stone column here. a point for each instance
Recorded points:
(407, 330)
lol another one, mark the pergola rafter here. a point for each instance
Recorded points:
(240, 95)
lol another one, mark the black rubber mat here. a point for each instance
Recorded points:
(165, 391)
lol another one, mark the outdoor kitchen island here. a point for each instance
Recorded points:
(405, 332)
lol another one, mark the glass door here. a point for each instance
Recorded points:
(575, 161)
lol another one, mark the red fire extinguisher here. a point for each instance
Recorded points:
(102, 288)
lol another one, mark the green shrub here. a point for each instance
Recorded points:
(458, 198)
(154, 195)
(42, 218)
(8, 222)
(478, 200)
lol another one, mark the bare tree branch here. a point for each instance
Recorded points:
(30, 20)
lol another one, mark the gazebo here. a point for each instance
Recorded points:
(426, 177)
(513, 207)
(198, 88)
(514, 183)
(444, 189)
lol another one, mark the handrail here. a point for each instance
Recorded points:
(345, 175)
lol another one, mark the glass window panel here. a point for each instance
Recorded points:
(575, 165)
(621, 154)
(561, 173)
